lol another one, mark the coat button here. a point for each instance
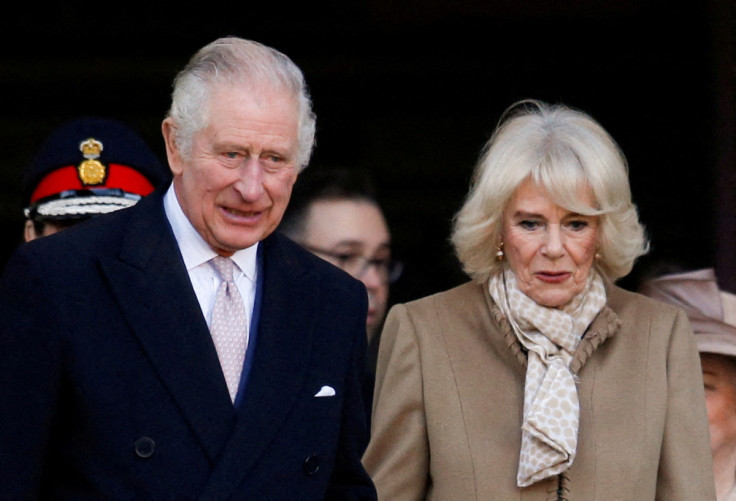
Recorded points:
(311, 465)
(144, 447)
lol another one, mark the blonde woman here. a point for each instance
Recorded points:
(540, 379)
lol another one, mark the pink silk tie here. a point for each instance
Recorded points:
(229, 327)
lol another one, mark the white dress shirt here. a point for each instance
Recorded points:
(197, 253)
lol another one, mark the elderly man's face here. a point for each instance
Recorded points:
(549, 249)
(719, 378)
(235, 185)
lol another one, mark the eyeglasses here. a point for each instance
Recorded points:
(357, 265)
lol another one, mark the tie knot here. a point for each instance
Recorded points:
(223, 267)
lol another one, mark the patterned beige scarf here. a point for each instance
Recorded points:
(551, 408)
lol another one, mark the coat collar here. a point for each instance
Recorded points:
(604, 326)
(151, 285)
(280, 364)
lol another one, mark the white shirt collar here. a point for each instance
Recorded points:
(194, 249)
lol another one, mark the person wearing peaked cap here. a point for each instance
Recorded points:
(86, 167)
(712, 313)
(182, 348)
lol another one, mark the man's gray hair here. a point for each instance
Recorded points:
(236, 61)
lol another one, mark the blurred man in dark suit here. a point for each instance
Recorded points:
(334, 213)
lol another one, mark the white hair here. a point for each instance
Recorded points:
(560, 149)
(233, 60)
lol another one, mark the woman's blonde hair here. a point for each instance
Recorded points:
(560, 149)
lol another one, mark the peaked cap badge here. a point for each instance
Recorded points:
(91, 171)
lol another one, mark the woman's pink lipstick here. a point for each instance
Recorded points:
(553, 277)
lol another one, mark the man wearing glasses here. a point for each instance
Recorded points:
(334, 214)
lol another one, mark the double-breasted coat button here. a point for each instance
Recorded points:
(311, 465)
(144, 447)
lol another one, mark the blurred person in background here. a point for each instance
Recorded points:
(86, 167)
(333, 213)
(712, 313)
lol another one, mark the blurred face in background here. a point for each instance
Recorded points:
(353, 235)
(719, 378)
(30, 230)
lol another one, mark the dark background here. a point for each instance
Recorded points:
(412, 90)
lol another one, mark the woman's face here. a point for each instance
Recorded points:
(719, 378)
(549, 249)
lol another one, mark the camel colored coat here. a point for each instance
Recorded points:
(450, 390)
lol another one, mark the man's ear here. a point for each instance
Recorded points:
(29, 231)
(168, 128)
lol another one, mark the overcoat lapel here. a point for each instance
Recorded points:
(155, 295)
(282, 356)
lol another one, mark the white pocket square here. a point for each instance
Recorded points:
(326, 391)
